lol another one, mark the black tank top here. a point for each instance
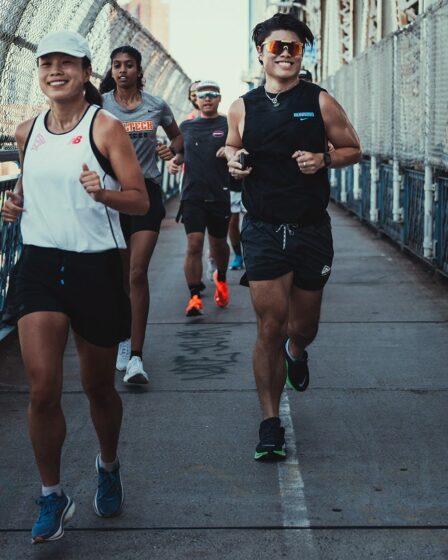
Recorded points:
(276, 191)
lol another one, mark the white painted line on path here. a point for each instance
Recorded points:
(292, 491)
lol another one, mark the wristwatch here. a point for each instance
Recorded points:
(327, 159)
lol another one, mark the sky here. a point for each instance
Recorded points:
(209, 39)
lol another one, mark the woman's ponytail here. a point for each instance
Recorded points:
(92, 95)
(108, 83)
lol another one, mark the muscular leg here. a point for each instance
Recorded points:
(193, 258)
(43, 337)
(234, 230)
(98, 380)
(303, 320)
(142, 247)
(270, 299)
(220, 251)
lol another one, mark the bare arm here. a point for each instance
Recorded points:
(234, 142)
(341, 136)
(175, 135)
(177, 142)
(340, 132)
(114, 144)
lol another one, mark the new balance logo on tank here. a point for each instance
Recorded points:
(76, 140)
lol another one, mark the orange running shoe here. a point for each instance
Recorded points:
(222, 291)
(194, 307)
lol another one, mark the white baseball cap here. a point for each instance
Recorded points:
(67, 42)
(208, 84)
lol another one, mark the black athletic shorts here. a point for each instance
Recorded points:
(87, 287)
(199, 215)
(152, 219)
(270, 251)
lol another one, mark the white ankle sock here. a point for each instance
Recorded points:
(47, 490)
(109, 467)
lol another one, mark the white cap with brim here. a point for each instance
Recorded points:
(207, 84)
(67, 42)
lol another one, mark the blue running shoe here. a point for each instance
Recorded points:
(237, 263)
(55, 511)
(109, 496)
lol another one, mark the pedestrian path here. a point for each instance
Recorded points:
(367, 470)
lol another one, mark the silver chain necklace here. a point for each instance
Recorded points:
(273, 100)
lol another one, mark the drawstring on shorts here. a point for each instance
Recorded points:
(287, 228)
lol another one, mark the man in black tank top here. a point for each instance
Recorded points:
(285, 128)
(205, 199)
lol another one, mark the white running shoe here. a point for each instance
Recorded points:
(124, 354)
(135, 374)
(211, 267)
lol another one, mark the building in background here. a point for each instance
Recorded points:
(154, 15)
(342, 29)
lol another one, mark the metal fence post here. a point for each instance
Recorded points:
(429, 213)
(397, 210)
(373, 189)
(333, 179)
(356, 187)
(344, 185)
(429, 187)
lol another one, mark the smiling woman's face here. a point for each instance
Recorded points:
(62, 76)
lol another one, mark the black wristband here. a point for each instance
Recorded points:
(327, 159)
(173, 151)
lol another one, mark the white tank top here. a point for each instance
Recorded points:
(58, 211)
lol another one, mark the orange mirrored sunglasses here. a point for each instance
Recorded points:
(277, 47)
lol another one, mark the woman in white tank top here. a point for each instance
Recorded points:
(70, 195)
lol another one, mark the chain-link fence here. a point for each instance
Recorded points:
(105, 25)
(396, 93)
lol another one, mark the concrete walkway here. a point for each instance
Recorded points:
(367, 473)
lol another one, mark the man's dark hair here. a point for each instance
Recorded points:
(282, 21)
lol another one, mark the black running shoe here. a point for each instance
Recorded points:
(297, 373)
(272, 441)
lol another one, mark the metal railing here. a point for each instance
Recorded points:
(10, 243)
(399, 215)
